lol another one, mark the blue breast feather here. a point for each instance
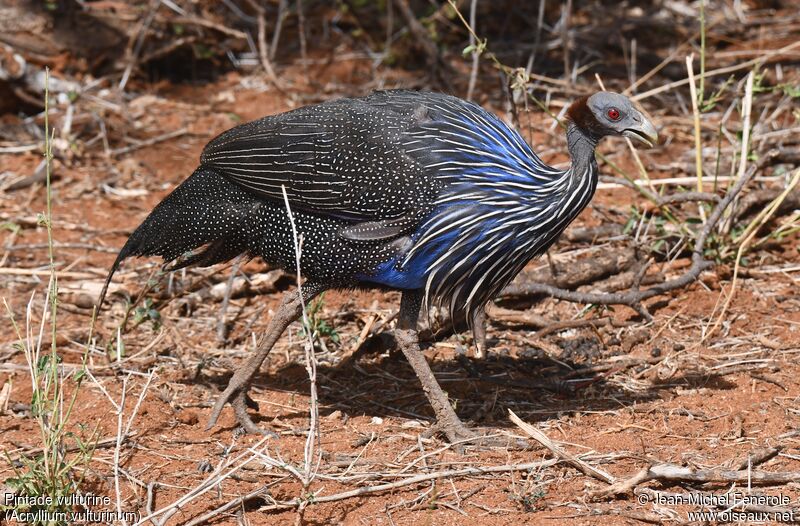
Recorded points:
(491, 177)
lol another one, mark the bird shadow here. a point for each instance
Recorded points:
(482, 390)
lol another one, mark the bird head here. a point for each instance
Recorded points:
(608, 113)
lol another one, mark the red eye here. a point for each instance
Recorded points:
(613, 114)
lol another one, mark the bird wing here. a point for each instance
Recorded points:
(342, 158)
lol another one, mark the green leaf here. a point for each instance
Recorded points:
(10, 226)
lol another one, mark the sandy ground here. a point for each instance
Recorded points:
(654, 392)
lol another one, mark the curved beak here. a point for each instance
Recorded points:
(644, 131)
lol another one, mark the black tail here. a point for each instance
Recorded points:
(206, 209)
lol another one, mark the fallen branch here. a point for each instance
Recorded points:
(450, 473)
(103, 443)
(423, 38)
(150, 142)
(634, 298)
(235, 503)
(577, 273)
(676, 473)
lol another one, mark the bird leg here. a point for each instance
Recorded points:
(479, 332)
(290, 309)
(406, 335)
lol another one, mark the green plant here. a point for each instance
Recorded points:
(319, 327)
(46, 482)
(48, 479)
(147, 312)
(140, 310)
(10, 226)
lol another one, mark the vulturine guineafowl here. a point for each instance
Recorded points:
(419, 192)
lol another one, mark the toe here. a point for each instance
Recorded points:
(240, 410)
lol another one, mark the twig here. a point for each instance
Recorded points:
(238, 501)
(77, 246)
(212, 481)
(301, 25)
(313, 437)
(100, 444)
(135, 45)
(747, 108)
(21, 148)
(759, 456)
(38, 176)
(222, 326)
(676, 473)
(537, 39)
(197, 21)
(714, 72)
(263, 47)
(544, 440)
(451, 473)
(276, 35)
(634, 298)
(473, 75)
(644, 78)
(698, 143)
(566, 11)
(623, 183)
(684, 197)
(419, 32)
(150, 142)
(135, 411)
(118, 447)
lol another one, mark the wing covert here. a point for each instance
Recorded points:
(341, 158)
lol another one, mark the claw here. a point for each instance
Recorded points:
(240, 404)
(454, 431)
(236, 392)
(240, 401)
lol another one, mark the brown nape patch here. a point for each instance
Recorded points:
(579, 113)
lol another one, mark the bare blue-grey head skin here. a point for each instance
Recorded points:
(609, 113)
(593, 117)
(413, 191)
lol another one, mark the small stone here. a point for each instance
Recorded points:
(408, 424)
(377, 420)
(336, 415)
(655, 352)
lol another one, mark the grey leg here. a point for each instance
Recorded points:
(406, 334)
(479, 331)
(290, 309)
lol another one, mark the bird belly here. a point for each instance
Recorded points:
(390, 275)
(403, 272)
(325, 255)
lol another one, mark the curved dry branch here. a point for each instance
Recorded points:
(635, 297)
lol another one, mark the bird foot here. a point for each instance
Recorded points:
(454, 430)
(479, 350)
(240, 401)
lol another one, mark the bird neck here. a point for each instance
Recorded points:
(581, 146)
